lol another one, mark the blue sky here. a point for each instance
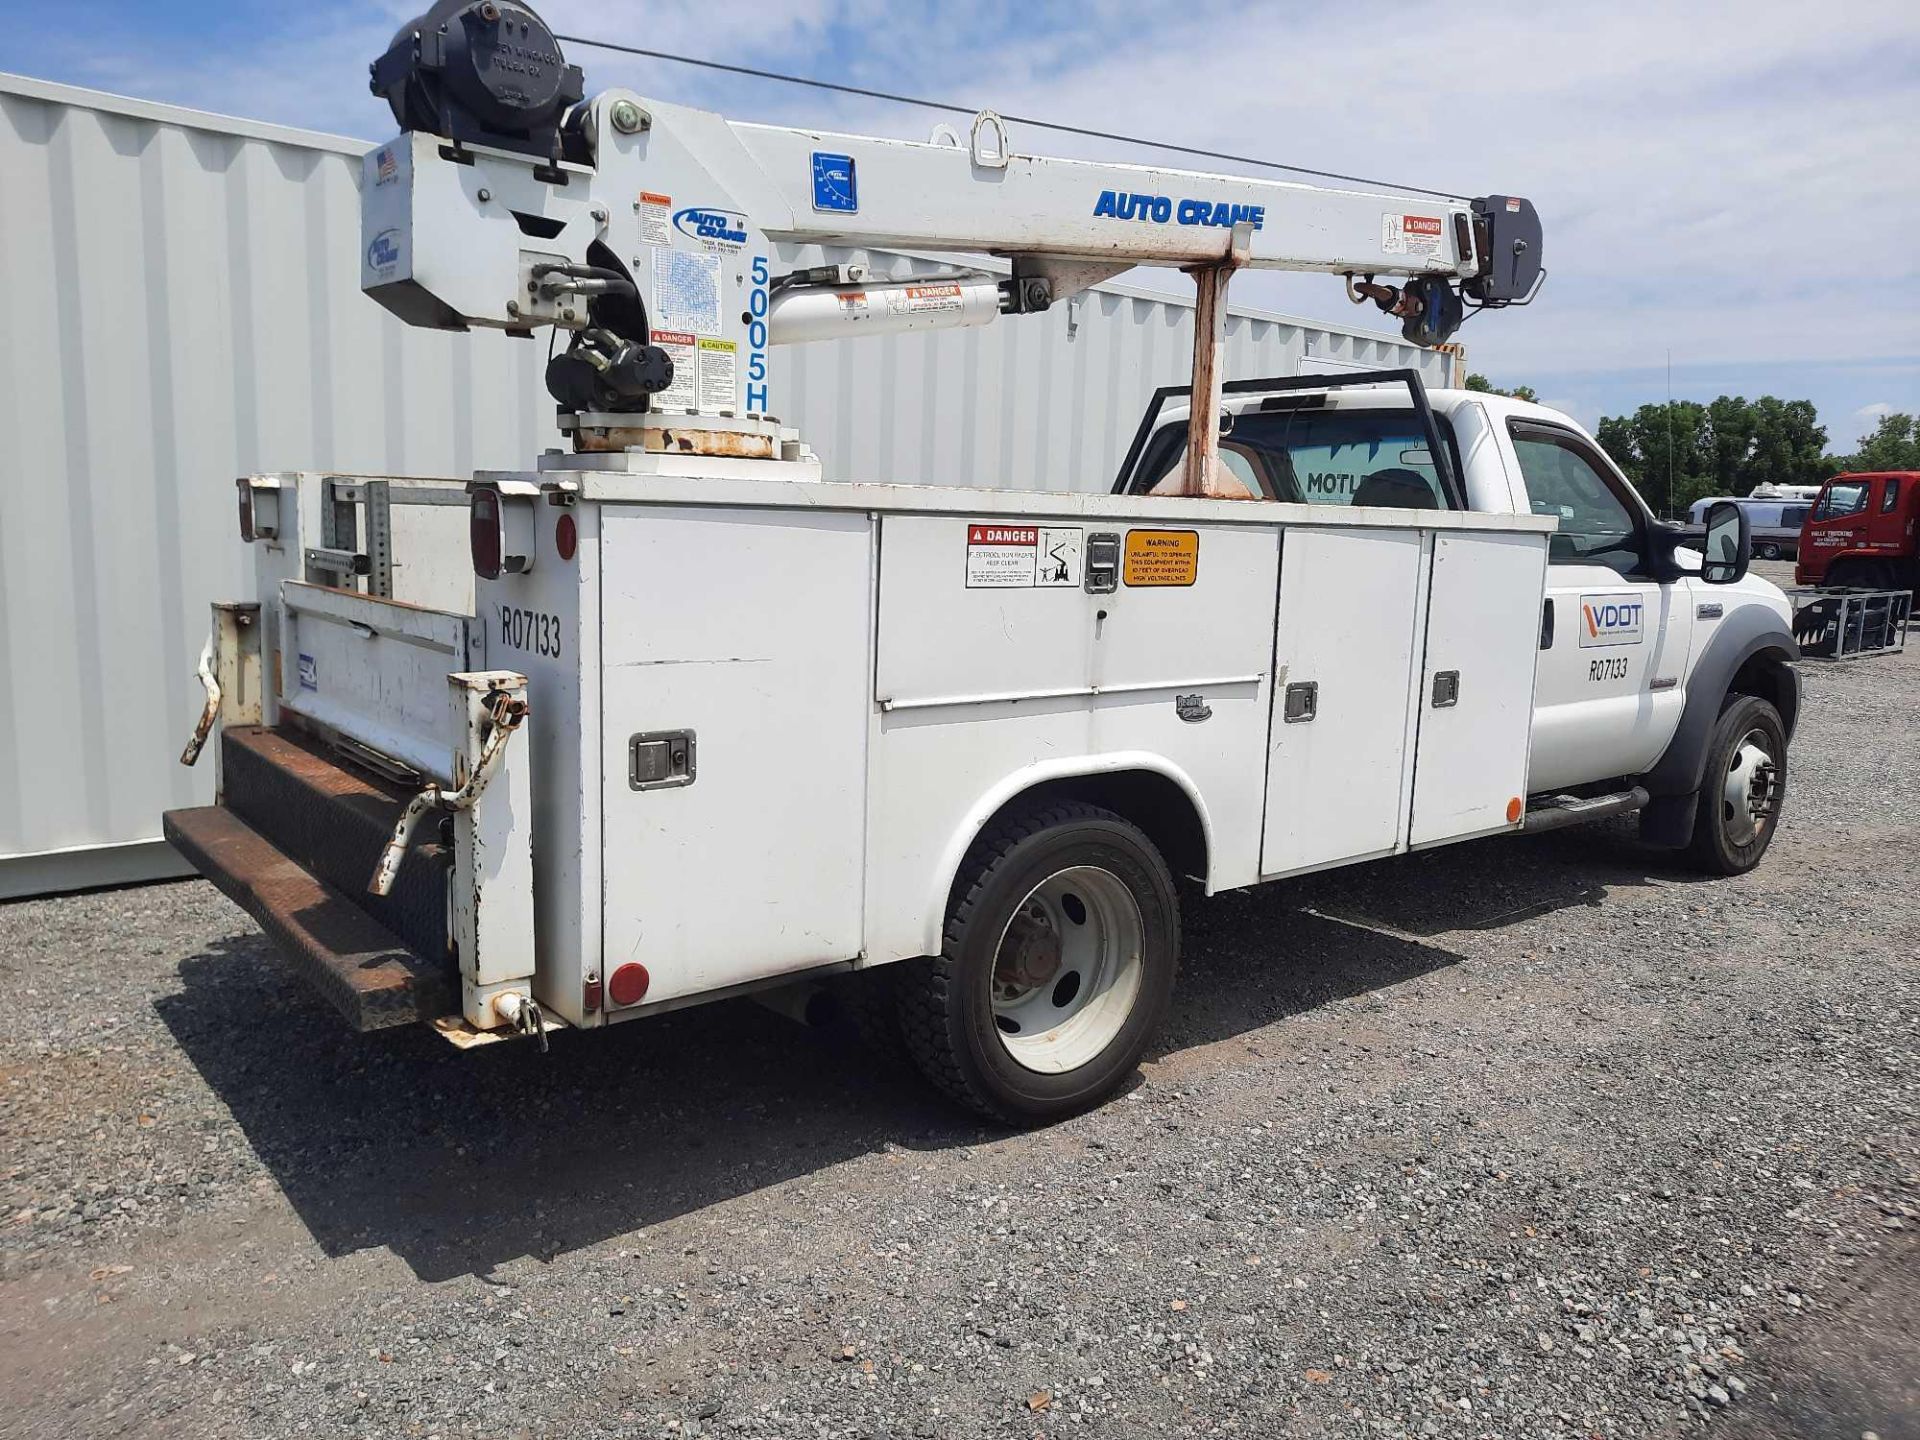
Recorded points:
(1733, 182)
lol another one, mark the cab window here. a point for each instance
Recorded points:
(1312, 457)
(1847, 499)
(1598, 525)
(1891, 497)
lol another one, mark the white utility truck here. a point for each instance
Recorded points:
(669, 717)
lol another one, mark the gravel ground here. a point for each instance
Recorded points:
(1532, 1137)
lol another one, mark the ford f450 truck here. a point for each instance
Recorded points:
(667, 717)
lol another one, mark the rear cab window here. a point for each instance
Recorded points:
(1373, 457)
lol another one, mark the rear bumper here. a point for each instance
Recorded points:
(293, 843)
(358, 964)
(349, 957)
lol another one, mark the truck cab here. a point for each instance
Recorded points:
(1863, 532)
(1638, 653)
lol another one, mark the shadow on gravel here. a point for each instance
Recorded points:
(463, 1161)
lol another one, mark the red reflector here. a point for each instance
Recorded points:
(566, 536)
(483, 534)
(628, 984)
(590, 996)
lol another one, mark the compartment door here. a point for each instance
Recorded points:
(1476, 696)
(1349, 626)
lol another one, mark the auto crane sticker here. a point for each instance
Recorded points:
(1023, 557)
(1611, 620)
(686, 292)
(1161, 557)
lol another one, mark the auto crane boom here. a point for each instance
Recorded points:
(679, 247)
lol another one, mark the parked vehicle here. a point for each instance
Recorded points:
(1863, 533)
(1775, 522)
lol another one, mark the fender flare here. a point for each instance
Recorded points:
(1011, 787)
(1748, 632)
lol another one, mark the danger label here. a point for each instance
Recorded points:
(1402, 234)
(1022, 557)
(1161, 557)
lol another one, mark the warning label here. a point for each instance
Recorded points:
(924, 299)
(683, 393)
(655, 213)
(1402, 234)
(718, 371)
(1023, 557)
(1161, 557)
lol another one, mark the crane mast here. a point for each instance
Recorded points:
(679, 248)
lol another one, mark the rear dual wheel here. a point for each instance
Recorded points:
(1060, 948)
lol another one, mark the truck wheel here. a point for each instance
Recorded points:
(1766, 551)
(1060, 948)
(866, 999)
(1746, 782)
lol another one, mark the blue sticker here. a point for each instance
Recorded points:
(309, 673)
(834, 187)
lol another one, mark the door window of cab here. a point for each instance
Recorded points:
(1842, 499)
(1312, 457)
(1892, 496)
(1598, 524)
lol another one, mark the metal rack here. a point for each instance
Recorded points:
(1849, 624)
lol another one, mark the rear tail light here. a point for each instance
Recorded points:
(484, 535)
(259, 512)
(500, 533)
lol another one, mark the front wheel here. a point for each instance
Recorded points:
(1743, 789)
(1061, 943)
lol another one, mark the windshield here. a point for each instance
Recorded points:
(1309, 456)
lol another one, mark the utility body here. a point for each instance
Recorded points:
(670, 717)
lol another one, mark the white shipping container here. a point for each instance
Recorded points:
(184, 308)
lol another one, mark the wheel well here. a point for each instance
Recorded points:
(1766, 676)
(1162, 810)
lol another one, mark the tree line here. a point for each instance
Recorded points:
(1680, 451)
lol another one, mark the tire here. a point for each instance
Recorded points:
(1766, 552)
(1744, 788)
(866, 1000)
(1057, 966)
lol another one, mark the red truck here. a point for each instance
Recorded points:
(1863, 532)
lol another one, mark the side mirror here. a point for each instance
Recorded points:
(1729, 544)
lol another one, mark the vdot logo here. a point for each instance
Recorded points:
(1611, 619)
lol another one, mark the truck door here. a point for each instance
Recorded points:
(1613, 641)
(1837, 528)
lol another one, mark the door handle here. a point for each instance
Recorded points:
(1546, 625)
(1302, 702)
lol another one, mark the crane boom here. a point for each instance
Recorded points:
(679, 246)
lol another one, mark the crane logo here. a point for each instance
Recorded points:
(384, 253)
(724, 228)
(1611, 620)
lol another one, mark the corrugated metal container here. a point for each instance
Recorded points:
(183, 307)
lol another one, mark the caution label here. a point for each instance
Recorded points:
(1023, 557)
(1161, 557)
(719, 376)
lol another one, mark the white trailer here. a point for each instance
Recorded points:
(670, 718)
